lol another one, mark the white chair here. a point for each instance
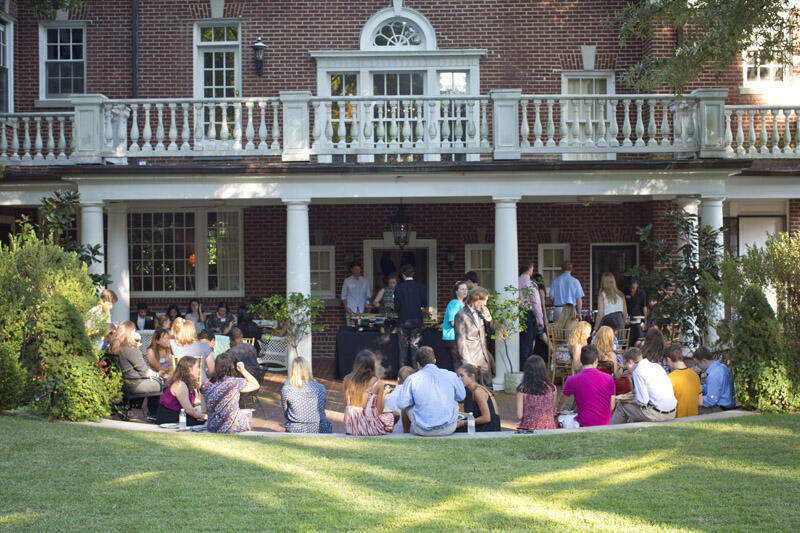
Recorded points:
(273, 353)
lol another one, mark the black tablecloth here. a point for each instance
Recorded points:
(385, 346)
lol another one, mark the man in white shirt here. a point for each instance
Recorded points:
(355, 291)
(565, 289)
(654, 396)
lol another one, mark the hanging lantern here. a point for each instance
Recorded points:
(401, 227)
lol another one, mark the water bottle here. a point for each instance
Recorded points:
(182, 419)
(470, 424)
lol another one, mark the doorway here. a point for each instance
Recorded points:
(386, 261)
(614, 258)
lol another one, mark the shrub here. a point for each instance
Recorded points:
(765, 377)
(12, 377)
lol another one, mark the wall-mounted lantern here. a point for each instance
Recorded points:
(258, 55)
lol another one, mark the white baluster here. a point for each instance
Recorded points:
(328, 125)
(249, 130)
(690, 125)
(665, 140)
(73, 138)
(728, 133)
(224, 133)
(613, 128)
(237, 126)
(380, 130)
(458, 129)
(26, 141)
(122, 128)
(15, 140)
(563, 132)
(317, 132)
(764, 132)
(433, 133)
(677, 122)
(589, 129)
(51, 143)
(651, 124)
(787, 132)
(4, 139)
(211, 134)
(739, 133)
(37, 145)
(262, 125)
(551, 128)
(276, 131)
(445, 125)
(751, 133)
(419, 126)
(185, 130)
(369, 123)
(147, 132)
(173, 129)
(109, 131)
(576, 123)
(394, 131)
(198, 126)
(355, 126)
(537, 125)
(626, 124)
(484, 126)
(62, 140)
(639, 124)
(134, 146)
(406, 130)
(776, 136)
(602, 141)
(160, 128)
(524, 132)
(341, 130)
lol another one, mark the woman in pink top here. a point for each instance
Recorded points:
(536, 396)
(181, 393)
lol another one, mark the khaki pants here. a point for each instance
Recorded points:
(631, 412)
(442, 431)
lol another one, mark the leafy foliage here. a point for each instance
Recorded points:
(298, 313)
(685, 280)
(47, 8)
(12, 378)
(508, 316)
(711, 33)
(765, 378)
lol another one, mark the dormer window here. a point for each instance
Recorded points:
(399, 32)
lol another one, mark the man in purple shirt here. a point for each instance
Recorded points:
(593, 391)
(534, 321)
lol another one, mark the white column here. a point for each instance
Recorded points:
(711, 215)
(118, 260)
(298, 259)
(92, 232)
(505, 273)
(690, 206)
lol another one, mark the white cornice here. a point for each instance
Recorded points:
(351, 54)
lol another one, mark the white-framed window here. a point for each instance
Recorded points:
(343, 84)
(186, 252)
(551, 257)
(323, 272)
(6, 65)
(480, 258)
(62, 59)
(218, 65)
(588, 82)
(763, 75)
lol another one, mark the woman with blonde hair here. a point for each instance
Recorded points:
(604, 342)
(568, 318)
(181, 393)
(303, 400)
(184, 340)
(137, 377)
(578, 339)
(363, 396)
(611, 307)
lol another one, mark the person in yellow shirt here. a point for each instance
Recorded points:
(685, 382)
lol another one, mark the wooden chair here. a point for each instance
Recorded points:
(623, 338)
(558, 343)
(250, 340)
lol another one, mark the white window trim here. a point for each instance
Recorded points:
(765, 87)
(591, 263)
(540, 258)
(197, 46)
(329, 294)
(468, 249)
(10, 28)
(607, 75)
(58, 24)
(201, 255)
(376, 21)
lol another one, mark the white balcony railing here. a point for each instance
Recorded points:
(297, 126)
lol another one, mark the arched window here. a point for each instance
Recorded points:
(398, 28)
(399, 32)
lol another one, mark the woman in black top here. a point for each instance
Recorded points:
(479, 401)
(137, 377)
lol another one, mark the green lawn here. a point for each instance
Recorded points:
(730, 475)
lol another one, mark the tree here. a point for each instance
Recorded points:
(47, 8)
(684, 281)
(709, 34)
(508, 317)
(295, 314)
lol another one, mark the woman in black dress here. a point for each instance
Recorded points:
(479, 401)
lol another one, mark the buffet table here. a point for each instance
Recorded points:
(386, 346)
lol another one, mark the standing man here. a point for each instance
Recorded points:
(471, 334)
(471, 279)
(565, 290)
(534, 319)
(654, 397)
(355, 291)
(636, 302)
(410, 298)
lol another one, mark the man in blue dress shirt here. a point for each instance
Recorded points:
(564, 290)
(718, 387)
(430, 395)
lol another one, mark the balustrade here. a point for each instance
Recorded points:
(772, 131)
(36, 138)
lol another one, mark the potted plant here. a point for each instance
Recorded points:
(508, 319)
(296, 316)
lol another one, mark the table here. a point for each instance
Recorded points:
(386, 346)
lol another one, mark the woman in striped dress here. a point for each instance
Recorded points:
(363, 393)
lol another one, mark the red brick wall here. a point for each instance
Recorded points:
(794, 216)
(528, 43)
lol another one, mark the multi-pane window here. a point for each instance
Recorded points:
(480, 259)
(761, 73)
(454, 84)
(162, 251)
(397, 83)
(4, 87)
(64, 61)
(343, 84)
(223, 250)
(194, 252)
(399, 32)
(551, 257)
(322, 271)
(587, 109)
(218, 50)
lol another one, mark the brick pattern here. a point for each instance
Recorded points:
(794, 215)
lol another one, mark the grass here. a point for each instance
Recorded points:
(729, 475)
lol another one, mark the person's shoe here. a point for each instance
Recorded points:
(151, 419)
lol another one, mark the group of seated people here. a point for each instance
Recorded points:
(220, 322)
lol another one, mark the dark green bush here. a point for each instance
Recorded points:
(12, 377)
(765, 377)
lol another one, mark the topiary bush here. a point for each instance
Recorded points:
(765, 377)
(12, 377)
